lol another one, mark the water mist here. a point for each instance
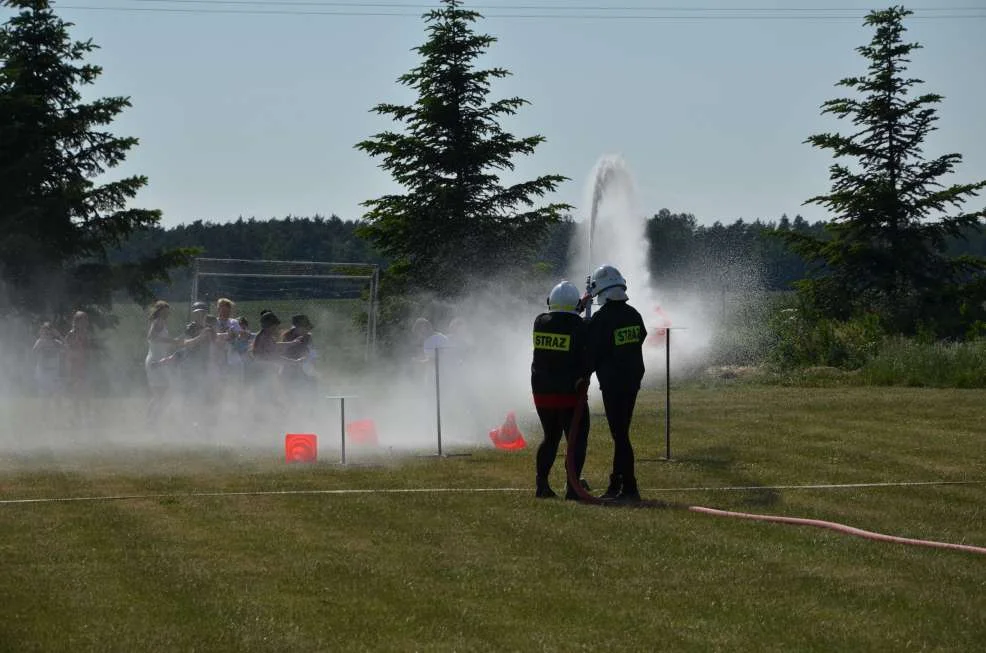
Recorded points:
(614, 232)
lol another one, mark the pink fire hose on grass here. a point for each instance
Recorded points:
(839, 528)
(585, 497)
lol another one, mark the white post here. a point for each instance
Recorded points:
(438, 401)
(195, 289)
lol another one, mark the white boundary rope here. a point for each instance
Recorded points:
(438, 490)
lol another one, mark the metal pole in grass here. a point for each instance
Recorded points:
(342, 423)
(667, 393)
(667, 390)
(667, 397)
(342, 428)
(438, 401)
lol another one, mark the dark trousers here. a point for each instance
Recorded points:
(619, 412)
(557, 422)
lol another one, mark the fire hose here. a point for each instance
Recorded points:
(574, 482)
(572, 474)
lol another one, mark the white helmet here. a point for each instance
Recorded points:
(604, 278)
(564, 298)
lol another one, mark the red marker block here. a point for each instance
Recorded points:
(300, 448)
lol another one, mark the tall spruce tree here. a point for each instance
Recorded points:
(455, 221)
(885, 250)
(57, 225)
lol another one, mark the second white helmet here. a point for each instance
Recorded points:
(604, 278)
(564, 298)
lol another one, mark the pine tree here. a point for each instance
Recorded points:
(455, 220)
(885, 250)
(57, 225)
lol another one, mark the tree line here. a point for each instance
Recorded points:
(682, 252)
(292, 238)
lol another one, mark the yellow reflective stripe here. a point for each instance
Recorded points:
(552, 341)
(626, 335)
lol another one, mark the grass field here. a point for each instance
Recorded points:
(500, 571)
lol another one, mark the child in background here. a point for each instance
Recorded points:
(78, 345)
(47, 368)
(298, 383)
(227, 361)
(160, 345)
(428, 339)
(195, 367)
(192, 358)
(267, 355)
(239, 345)
(265, 366)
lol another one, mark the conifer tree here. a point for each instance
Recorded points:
(455, 220)
(57, 224)
(886, 246)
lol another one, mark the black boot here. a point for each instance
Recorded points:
(629, 493)
(544, 491)
(615, 485)
(572, 495)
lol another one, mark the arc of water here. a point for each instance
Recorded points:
(602, 178)
(603, 174)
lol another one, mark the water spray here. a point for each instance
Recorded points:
(602, 177)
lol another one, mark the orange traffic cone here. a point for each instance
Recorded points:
(362, 431)
(300, 447)
(508, 436)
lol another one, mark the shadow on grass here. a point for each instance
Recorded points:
(721, 464)
(643, 504)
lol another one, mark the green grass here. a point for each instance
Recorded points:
(907, 362)
(500, 571)
(895, 362)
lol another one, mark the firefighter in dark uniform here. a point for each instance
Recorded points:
(616, 337)
(559, 372)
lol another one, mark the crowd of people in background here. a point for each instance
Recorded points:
(217, 357)
(220, 362)
(216, 361)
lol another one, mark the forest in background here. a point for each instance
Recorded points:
(682, 252)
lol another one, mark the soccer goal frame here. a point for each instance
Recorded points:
(368, 273)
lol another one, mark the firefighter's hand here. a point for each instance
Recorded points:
(583, 303)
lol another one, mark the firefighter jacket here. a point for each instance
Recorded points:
(616, 338)
(560, 359)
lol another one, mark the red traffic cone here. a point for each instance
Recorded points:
(300, 448)
(508, 437)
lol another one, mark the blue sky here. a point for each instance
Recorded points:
(256, 115)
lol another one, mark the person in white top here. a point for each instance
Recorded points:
(228, 329)
(430, 339)
(48, 363)
(160, 346)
